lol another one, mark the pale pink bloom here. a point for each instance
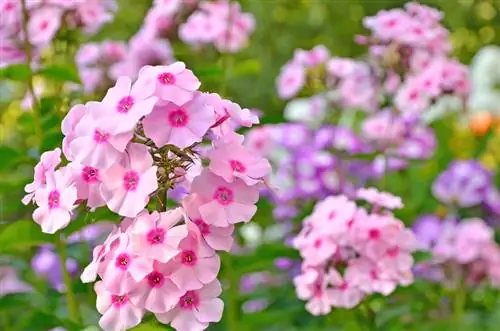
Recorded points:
(156, 292)
(168, 6)
(317, 248)
(227, 203)
(43, 24)
(231, 160)
(172, 83)
(304, 283)
(125, 104)
(384, 128)
(335, 216)
(11, 283)
(396, 260)
(88, 182)
(411, 99)
(124, 269)
(119, 313)
(95, 143)
(219, 238)
(99, 254)
(243, 117)
(157, 235)
(320, 302)
(291, 80)
(200, 28)
(179, 125)
(126, 189)
(260, 140)
(319, 54)
(344, 294)
(68, 125)
(196, 309)
(369, 278)
(472, 236)
(56, 201)
(48, 162)
(11, 12)
(93, 14)
(196, 264)
(380, 199)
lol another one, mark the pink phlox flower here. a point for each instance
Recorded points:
(43, 25)
(56, 201)
(196, 309)
(68, 126)
(126, 187)
(99, 254)
(88, 184)
(343, 294)
(227, 203)
(380, 199)
(311, 58)
(291, 80)
(369, 278)
(48, 162)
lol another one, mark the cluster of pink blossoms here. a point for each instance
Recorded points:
(220, 23)
(46, 17)
(460, 250)
(350, 252)
(141, 140)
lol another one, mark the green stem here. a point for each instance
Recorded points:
(459, 300)
(70, 296)
(365, 318)
(31, 87)
(232, 301)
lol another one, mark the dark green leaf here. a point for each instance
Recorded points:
(207, 72)
(19, 72)
(22, 235)
(422, 256)
(8, 157)
(60, 73)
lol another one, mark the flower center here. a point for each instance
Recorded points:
(44, 25)
(237, 166)
(90, 174)
(374, 234)
(100, 137)
(178, 118)
(331, 216)
(119, 300)
(189, 300)
(223, 196)
(54, 199)
(393, 252)
(166, 78)
(122, 261)
(130, 180)
(204, 227)
(155, 279)
(188, 258)
(125, 104)
(156, 236)
(318, 243)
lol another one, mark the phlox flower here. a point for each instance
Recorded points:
(472, 235)
(56, 201)
(43, 24)
(312, 285)
(196, 309)
(379, 199)
(179, 125)
(95, 143)
(99, 254)
(156, 292)
(231, 160)
(118, 312)
(219, 238)
(291, 79)
(344, 294)
(88, 184)
(125, 104)
(172, 83)
(369, 278)
(48, 162)
(226, 203)
(68, 126)
(126, 188)
(196, 264)
(124, 269)
(157, 235)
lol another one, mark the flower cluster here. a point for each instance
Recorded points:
(350, 252)
(464, 250)
(219, 23)
(140, 141)
(45, 20)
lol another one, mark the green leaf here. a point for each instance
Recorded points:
(60, 73)
(19, 72)
(248, 67)
(207, 72)
(21, 235)
(9, 157)
(422, 256)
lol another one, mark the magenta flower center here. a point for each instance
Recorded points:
(223, 196)
(54, 199)
(318, 243)
(343, 286)
(155, 279)
(204, 228)
(9, 6)
(100, 137)
(413, 95)
(374, 234)
(156, 236)
(331, 216)
(393, 252)
(119, 300)
(237, 166)
(90, 174)
(44, 25)
(166, 78)
(189, 300)
(122, 261)
(125, 104)
(178, 118)
(188, 258)
(130, 180)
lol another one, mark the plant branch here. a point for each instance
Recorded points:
(29, 57)
(70, 297)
